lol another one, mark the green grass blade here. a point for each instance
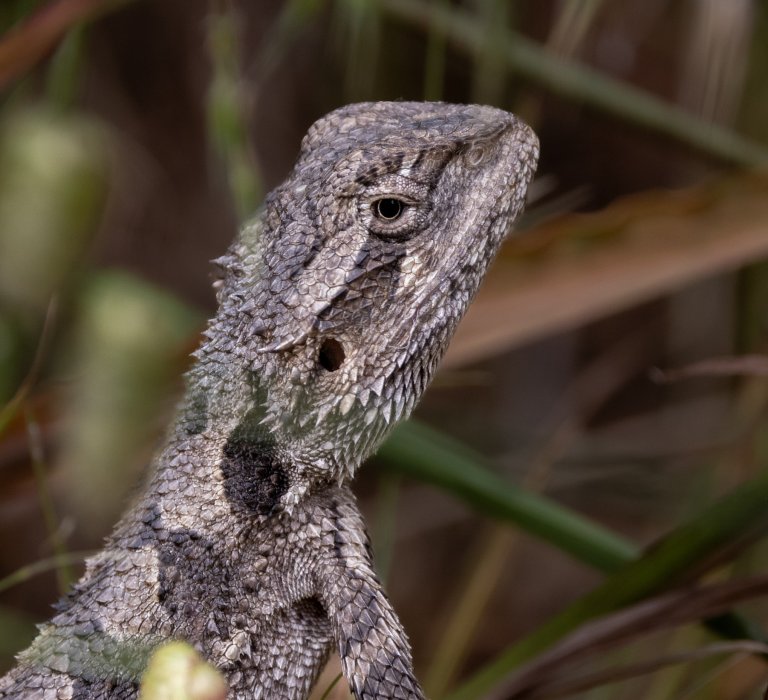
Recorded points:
(421, 452)
(41, 566)
(227, 112)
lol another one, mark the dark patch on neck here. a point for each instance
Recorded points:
(254, 476)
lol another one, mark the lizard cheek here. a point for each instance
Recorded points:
(331, 355)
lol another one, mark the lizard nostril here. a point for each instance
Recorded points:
(331, 355)
(476, 155)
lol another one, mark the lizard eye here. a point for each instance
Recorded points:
(394, 208)
(388, 208)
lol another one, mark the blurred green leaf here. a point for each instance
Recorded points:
(432, 457)
(127, 347)
(54, 179)
(53, 188)
(177, 672)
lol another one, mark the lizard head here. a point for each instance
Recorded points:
(345, 294)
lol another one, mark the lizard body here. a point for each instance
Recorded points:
(335, 307)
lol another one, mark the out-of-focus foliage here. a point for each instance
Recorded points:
(53, 185)
(126, 344)
(227, 113)
(177, 672)
(530, 568)
(52, 193)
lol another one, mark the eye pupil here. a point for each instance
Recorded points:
(388, 208)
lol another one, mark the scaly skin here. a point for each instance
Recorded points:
(336, 306)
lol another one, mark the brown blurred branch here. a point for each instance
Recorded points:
(742, 365)
(33, 39)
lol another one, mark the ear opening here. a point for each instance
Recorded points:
(331, 355)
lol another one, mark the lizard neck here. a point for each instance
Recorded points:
(221, 453)
(274, 423)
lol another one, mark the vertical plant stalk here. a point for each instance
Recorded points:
(358, 28)
(476, 590)
(295, 17)
(227, 109)
(327, 694)
(12, 407)
(64, 573)
(386, 522)
(489, 73)
(434, 64)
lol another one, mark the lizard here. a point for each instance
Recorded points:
(335, 305)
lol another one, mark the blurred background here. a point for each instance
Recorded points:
(578, 508)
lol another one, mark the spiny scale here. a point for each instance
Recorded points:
(336, 305)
